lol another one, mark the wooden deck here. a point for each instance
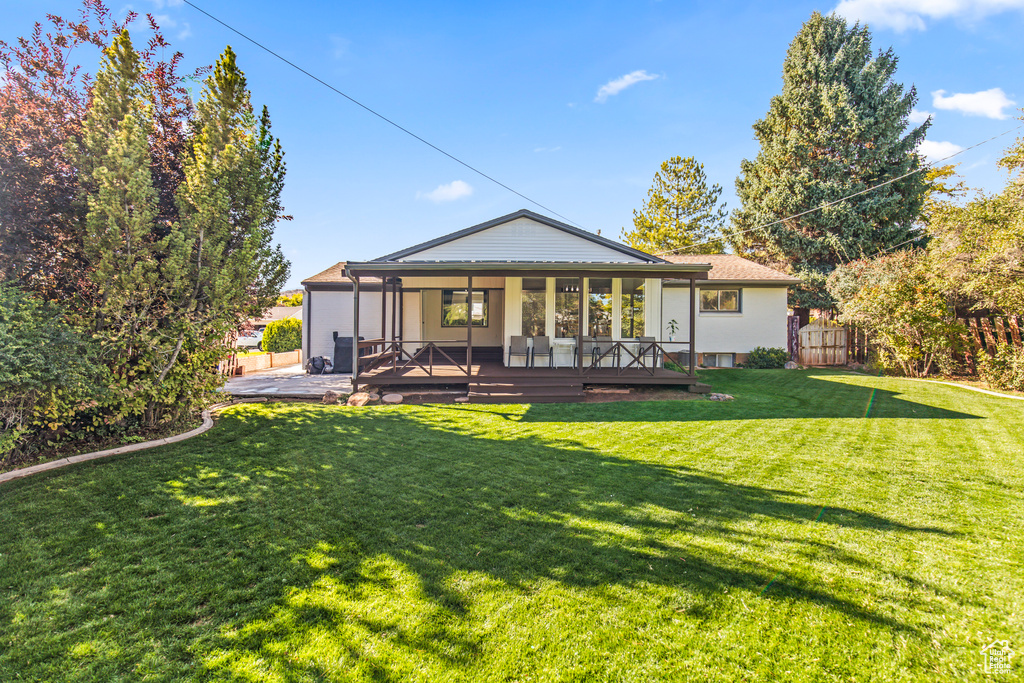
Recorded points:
(490, 381)
(497, 372)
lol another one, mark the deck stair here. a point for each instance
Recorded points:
(527, 390)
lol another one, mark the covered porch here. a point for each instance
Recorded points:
(595, 315)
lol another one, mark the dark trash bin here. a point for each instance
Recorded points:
(343, 354)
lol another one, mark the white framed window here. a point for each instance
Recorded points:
(719, 300)
(719, 360)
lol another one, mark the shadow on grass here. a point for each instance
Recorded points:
(302, 541)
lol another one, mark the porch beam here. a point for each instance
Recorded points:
(401, 309)
(469, 325)
(693, 326)
(384, 308)
(579, 329)
(355, 333)
(394, 306)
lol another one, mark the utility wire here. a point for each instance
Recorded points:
(379, 115)
(843, 199)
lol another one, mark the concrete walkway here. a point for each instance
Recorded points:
(289, 381)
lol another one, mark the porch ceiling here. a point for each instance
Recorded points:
(688, 271)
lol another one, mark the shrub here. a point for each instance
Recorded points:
(48, 377)
(763, 358)
(902, 307)
(1005, 369)
(283, 335)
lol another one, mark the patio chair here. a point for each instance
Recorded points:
(518, 348)
(604, 344)
(542, 347)
(588, 347)
(649, 351)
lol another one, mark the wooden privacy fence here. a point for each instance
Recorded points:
(823, 342)
(985, 334)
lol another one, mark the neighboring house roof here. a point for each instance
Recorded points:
(521, 218)
(736, 269)
(335, 275)
(275, 313)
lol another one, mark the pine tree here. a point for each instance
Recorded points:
(838, 128)
(220, 255)
(681, 212)
(121, 200)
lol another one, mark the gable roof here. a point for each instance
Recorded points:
(732, 268)
(404, 254)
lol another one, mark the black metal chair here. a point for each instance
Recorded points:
(542, 347)
(518, 347)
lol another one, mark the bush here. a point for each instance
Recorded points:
(283, 335)
(766, 359)
(48, 377)
(1005, 369)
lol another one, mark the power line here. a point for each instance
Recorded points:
(378, 114)
(843, 199)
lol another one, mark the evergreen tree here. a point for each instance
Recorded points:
(681, 212)
(121, 202)
(221, 255)
(838, 128)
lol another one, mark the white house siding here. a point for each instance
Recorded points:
(522, 239)
(330, 311)
(761, 322)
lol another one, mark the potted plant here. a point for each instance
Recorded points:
(673, 327)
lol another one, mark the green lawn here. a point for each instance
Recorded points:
(822, 526)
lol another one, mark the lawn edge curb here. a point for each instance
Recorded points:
(96, 455)
(966, 386)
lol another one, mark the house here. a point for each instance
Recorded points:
(254, 329)
(448, 311)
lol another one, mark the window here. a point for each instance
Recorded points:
(719, 360)
(567, 306)
(720, 300)
(454, 309)
(632, 308)
(600, 308)
(535, 292)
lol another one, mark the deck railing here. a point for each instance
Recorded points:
(403, 355)
(623, 356)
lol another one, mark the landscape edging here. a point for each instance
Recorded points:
(96, 455)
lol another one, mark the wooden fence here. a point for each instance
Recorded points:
(823, 342)
(985, 334)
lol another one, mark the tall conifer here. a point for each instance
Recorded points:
(838, 128)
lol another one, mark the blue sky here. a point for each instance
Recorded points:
(573, 104)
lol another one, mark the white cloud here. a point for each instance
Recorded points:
(988, 103)
(936, 151)
(919, 116)
(904, 15)
(457, 189)
(185, 32)
(614, 87)
(547, 149)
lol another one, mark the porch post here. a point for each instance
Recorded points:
(394, 305)
(693, 326)
(401, 310)
(384, 307)
(579, 329)
(469, 325)
(355, 334)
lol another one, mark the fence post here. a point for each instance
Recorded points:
(1014, 330)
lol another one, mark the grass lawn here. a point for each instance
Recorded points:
(823, 526)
